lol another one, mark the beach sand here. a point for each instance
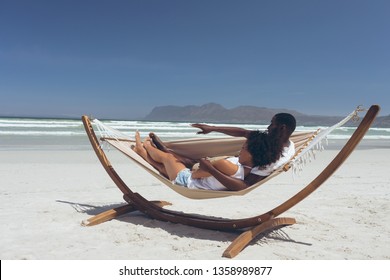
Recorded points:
(46, 194)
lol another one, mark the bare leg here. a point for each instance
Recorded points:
(139, 149)
(189, 163)
(171, 164)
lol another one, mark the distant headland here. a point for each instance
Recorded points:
(213, 112)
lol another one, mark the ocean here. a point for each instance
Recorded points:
(34, 133)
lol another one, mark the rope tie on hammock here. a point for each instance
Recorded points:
(316, 143)
(101, 129)
(106, 131)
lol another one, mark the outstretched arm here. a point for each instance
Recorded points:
(228, 130)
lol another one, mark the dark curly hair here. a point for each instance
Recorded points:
(263, 149)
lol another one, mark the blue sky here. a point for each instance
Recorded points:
(121, 58)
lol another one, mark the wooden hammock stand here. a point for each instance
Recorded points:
(252, 226)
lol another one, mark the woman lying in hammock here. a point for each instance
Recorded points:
(225, 174)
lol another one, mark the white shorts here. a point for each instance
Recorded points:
(182, 177)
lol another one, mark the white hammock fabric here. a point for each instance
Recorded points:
(306, 144)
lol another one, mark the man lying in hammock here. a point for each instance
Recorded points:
(225, 174)
(281, 127)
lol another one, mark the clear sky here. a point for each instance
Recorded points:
(121, 58)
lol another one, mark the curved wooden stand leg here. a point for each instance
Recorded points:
(116, 212)
(246, 237)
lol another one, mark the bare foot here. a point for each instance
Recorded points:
(139, 148)
(158, 143)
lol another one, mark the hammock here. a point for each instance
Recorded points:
(252, 226)
(305, 144)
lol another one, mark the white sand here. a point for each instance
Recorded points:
(46, 194)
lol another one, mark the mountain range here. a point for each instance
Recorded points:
(216, 113)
